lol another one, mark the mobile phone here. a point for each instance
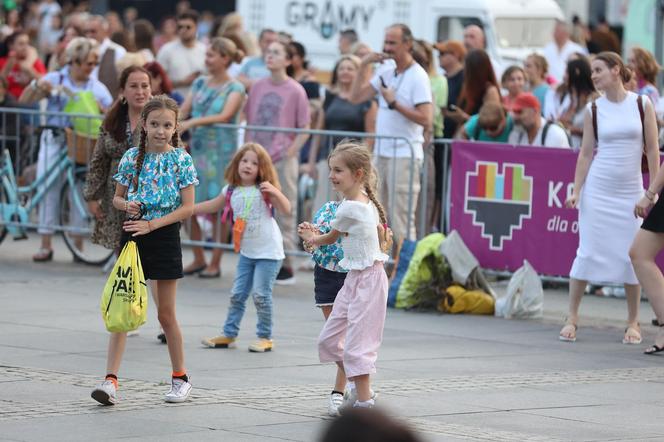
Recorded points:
(451, 107)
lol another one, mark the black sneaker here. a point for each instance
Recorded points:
(285, 276)
(162, 337)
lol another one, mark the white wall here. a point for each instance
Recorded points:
(574, 7)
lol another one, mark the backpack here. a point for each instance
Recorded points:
(639, 102)
(546, 129)
(227, 214)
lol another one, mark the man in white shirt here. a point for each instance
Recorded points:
(404, 110)
(531, 129)
(96, 27)
(183, 58)
(558, 51)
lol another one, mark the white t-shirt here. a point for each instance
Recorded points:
(412, 87)
(361, 247)
(555, 136)
(179, 61)
(557, 59)
(261, 238)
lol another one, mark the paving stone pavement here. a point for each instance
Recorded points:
(449, 377)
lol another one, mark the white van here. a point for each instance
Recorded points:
(513, 28)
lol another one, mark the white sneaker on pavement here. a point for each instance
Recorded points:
(335, 402)
(104, 393)
(351, 398)
(179, 392)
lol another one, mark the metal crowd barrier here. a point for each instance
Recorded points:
(20, 140)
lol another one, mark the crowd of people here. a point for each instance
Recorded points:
(191, 85)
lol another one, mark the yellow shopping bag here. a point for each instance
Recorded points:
(124, 302)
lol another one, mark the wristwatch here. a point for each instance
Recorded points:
(392, 104)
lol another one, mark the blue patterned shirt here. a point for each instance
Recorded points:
(328, 257)
(162, 178)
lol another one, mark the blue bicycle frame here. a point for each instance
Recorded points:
(15, 216)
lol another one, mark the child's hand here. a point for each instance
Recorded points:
(268, 188)
(307, 235)
(133, 208)
(307, 226)
(140, 227)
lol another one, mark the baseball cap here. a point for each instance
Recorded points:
(454, 46)
(525, 100)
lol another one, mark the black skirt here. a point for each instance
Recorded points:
(654, 221)
(326, 285)
(160, 252)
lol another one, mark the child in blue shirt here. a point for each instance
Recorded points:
(155, 186)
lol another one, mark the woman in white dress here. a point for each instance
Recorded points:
(606, 189)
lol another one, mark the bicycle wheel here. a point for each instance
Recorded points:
(80, 224)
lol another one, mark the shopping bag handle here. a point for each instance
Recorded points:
(141, 213)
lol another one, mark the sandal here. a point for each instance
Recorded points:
(653, 349)
(43, 255)
(209, 275)
(191, 270)
(632, 336)
(571, 337)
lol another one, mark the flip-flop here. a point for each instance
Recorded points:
(194, 270)
(653, 349)
(638, 339)
(565, 338)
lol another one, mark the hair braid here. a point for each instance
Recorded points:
(140, 158)
(384, 236)
(175, 139)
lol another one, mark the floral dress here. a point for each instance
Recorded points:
(212, 148)
(161, 179)
(100, 186)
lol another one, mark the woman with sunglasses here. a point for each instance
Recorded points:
(82, 57)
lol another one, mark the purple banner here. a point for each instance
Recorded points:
(508, 204)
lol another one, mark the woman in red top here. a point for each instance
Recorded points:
(21, 65)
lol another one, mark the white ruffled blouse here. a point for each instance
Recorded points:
(360, 244)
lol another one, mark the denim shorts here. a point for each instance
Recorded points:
(326, 285)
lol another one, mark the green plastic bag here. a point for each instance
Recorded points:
(124, 302)
(84, 102)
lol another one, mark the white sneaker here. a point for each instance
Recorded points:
(368, 404)
(335, 402)
(104, 393)
(351, 398)
(179, 392)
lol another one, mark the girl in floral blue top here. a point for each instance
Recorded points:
(329, 277)
(155, 186)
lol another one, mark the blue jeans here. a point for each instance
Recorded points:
(255, 276)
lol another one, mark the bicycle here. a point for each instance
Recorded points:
(76, 222)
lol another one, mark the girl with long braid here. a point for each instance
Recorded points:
(353, 332)
(155, 187)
